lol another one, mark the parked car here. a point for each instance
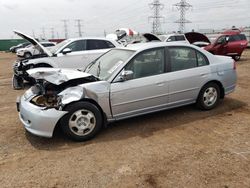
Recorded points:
(230, 43)
(71, 53)
(13, 49)
(123, 83)
(175, 37)
(31, 50)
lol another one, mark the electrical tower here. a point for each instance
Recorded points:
(156, 6)
(65, 25)
(182, 6)
(79, 26)
(52, 33)
(43, 33)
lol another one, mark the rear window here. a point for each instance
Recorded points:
(239, 37)
(242, 37)
(179, 38)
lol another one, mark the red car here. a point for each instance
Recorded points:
(231, 43)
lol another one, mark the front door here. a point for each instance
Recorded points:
(147, 91)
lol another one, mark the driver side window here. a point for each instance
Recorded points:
(77, 46)
(147, 63)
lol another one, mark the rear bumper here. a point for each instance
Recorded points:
(37, 120)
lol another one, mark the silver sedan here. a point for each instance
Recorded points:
(123, 83)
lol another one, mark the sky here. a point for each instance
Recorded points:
(100, 16)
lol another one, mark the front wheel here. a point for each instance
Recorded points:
(209, 96)
(27, 55)
(236, 57)
(83, 121)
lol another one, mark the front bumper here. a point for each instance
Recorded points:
(37, 120)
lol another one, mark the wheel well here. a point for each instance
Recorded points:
(222, 91)
(42, 65)
(104, 117)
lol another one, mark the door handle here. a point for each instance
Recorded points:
(203, 74)
(160, 84)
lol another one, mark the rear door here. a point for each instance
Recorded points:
(147, 91)
(188, 71)
(97, 47)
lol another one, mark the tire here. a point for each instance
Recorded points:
(236, 57)
(27, 55)
(83, 121)
(17, 82)
(209, 96)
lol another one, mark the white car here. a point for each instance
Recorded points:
(175, 37)
(71, 53)
(31, 50)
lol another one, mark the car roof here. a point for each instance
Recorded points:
(89, 38)
(148, 45)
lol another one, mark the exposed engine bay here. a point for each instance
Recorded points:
(47, 94)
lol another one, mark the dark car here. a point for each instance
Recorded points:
(229, 43)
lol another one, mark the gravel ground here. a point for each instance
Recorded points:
(182, 147)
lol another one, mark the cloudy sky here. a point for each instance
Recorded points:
(31, 16)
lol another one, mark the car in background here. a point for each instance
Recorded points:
(229, 43)
(123, 83)
(71, 53)
(13, 49)
(31, 50)
(175, 37)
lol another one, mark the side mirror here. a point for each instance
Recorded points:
(66, 51)
(126, 75)
(227, 39)
(169, 40)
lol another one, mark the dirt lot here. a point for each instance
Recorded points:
(183, 147)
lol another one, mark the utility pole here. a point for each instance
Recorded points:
(79, 26)
(33, 33)
(43, 32)
(65, 25)
(182, 6)
(52, 33)
(156, 6)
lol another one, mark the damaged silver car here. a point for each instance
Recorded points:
(123, 83)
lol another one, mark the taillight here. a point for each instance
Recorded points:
(234, 65)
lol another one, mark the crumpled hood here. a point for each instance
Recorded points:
(55, 75)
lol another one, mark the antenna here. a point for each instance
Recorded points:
(182, 6)
(156, 6)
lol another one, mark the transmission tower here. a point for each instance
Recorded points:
(52, 33)
(182, 6)
(65, 25)
(156, 6)
(79, 26)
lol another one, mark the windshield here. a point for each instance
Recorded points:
(213, 38)
(104, 66)
(54, 49)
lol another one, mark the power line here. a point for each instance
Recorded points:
(182, 6)
(65, 25)
(79, 26)
(156, 6)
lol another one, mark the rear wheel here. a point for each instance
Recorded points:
(209, 96)
(83, 121)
